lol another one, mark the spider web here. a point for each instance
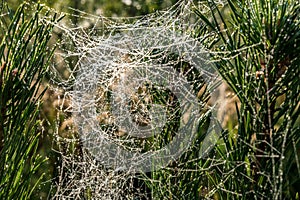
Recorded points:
(139, 95)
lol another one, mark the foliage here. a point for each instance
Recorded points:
(24, 59)
(108, 8)
(257, 53)
(255, 46)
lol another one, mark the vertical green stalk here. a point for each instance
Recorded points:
(24, 58)
(262, 39)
